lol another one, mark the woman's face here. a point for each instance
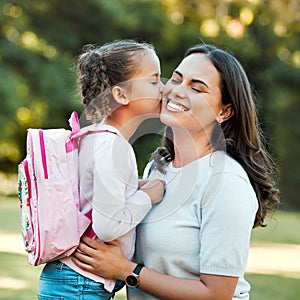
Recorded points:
(192, 97)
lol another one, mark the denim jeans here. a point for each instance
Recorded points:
(59, 282)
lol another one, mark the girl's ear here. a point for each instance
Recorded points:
(120, 95)
(225, 114)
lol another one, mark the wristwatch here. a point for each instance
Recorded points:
(132, 280)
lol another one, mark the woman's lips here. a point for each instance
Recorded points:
(175, 106)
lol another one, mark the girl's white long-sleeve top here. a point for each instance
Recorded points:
(108, 182)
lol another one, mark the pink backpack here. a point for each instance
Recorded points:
(48, 191)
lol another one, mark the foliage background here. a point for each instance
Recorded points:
(39, 41)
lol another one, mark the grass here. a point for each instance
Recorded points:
(273, 287)
(283, 228)
(18, 280)
(9, 215)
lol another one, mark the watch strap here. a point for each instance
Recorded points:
(138, 268)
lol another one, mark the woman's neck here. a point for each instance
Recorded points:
(189, 147)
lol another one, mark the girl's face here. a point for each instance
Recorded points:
(192, 97)
(145, 86)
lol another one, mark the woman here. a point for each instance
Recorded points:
(195, 243)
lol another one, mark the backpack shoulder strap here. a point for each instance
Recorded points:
(90, 130)
(78, 132)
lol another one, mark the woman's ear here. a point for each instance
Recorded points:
(120, 95)
(225, 114)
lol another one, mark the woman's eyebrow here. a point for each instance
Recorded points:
(178, 73)
(193, 80)
(199, 81)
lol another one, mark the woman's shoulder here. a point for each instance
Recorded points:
(228, 183)
(223, 163)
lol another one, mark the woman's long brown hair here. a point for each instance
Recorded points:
(243, 136)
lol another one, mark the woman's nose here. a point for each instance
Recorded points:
(178, 91)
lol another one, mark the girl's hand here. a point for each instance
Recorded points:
(155, 189)
(105, 260)
(142, 182)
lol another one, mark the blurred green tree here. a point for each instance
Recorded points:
(40, 39)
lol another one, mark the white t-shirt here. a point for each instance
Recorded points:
(108, 181)
(203, 224)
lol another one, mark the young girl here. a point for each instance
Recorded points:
(119, 81)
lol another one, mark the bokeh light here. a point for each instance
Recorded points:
(210, 28)
(29, 40)
(177, 18)
(23, 116)
(12, 11)
(235, 29)
(246, 15)
(280, 29)
(296, 59)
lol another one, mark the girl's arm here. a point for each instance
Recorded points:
(116, 211)
(108, 261)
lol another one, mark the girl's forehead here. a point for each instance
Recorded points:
(148, 64)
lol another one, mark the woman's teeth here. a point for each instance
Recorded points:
(175, 106)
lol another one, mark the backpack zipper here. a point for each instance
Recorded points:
(43, 154)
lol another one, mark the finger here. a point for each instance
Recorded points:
(83, 248)
(93, 243)
(142, 182)
(83, 265)
(89, 246)
(113, 243)
(159, 181)
(82, 257)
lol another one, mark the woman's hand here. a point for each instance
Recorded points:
(105, 260)
(108, 261)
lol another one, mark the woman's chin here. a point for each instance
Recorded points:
(168, 119)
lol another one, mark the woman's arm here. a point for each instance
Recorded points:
(108, 261)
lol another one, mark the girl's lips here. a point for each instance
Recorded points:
(175, 106)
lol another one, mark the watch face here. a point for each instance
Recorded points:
(131, 281)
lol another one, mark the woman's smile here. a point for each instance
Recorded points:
(174, 106)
